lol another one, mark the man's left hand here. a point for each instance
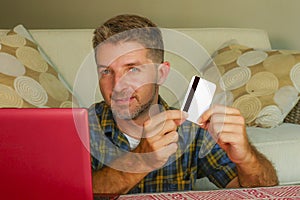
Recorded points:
(227, 126)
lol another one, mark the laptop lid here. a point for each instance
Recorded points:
(44, 154)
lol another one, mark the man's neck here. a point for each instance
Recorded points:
(134, 127)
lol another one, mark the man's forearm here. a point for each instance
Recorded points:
(109, 180)
(121, 175)
(258, 171)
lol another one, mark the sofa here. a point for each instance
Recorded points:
(190, 51)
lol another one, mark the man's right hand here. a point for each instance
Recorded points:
(160, 138)
(159, 142)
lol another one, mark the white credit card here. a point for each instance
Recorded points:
(198, 98)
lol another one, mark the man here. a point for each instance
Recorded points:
(140, 144)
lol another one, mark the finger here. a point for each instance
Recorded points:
(170, 149)
(236, 146)
(217, 128)
(221, 109)
(172, 115)
(227, 140)
(178, 122)
(229, 123)
(167, 139)
(227, 119)
(233, 140)
(161, 118)
(225, 109)
(158, 158)
(160, 130)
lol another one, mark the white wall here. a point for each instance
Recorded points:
(279, 17)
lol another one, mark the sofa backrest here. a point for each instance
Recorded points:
(71, 51)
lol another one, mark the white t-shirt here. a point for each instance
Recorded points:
(132, 141)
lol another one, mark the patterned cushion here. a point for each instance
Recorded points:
(263, 85)
(294, 116)
(27, 76)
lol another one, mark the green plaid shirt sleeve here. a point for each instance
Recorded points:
(182, 168)
(106, 141)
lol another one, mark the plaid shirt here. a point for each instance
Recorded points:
(182, 169)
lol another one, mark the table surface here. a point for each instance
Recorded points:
(278, 192)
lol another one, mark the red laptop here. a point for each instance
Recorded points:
(44, 154)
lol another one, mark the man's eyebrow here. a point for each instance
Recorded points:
(101, 66)
(132, 63)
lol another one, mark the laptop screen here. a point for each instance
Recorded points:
(44, 154)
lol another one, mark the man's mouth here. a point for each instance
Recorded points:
(123, 100)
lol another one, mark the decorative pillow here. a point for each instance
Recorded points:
(263, 85)
(27, 77)
(294, 115)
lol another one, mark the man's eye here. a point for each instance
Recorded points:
(134, 69)
(105, 71)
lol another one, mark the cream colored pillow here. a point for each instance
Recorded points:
(263, 85)
(27, 77)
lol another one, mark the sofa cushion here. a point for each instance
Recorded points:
(281, 146)
(27, 76)
(281, 149)
(263, 84)
(294, 115)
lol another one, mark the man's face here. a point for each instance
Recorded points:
(127, 78)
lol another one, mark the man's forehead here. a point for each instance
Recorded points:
(106, 53)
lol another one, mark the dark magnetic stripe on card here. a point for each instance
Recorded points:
(191, 94)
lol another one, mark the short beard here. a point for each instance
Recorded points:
(139, 111)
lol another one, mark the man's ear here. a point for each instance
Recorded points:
(163, 72)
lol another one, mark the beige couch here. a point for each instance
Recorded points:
(71, 52)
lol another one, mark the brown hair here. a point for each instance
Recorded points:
(124, 28)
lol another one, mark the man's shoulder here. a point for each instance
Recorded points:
(99, 109)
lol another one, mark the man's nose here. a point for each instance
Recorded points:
(120, 82)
